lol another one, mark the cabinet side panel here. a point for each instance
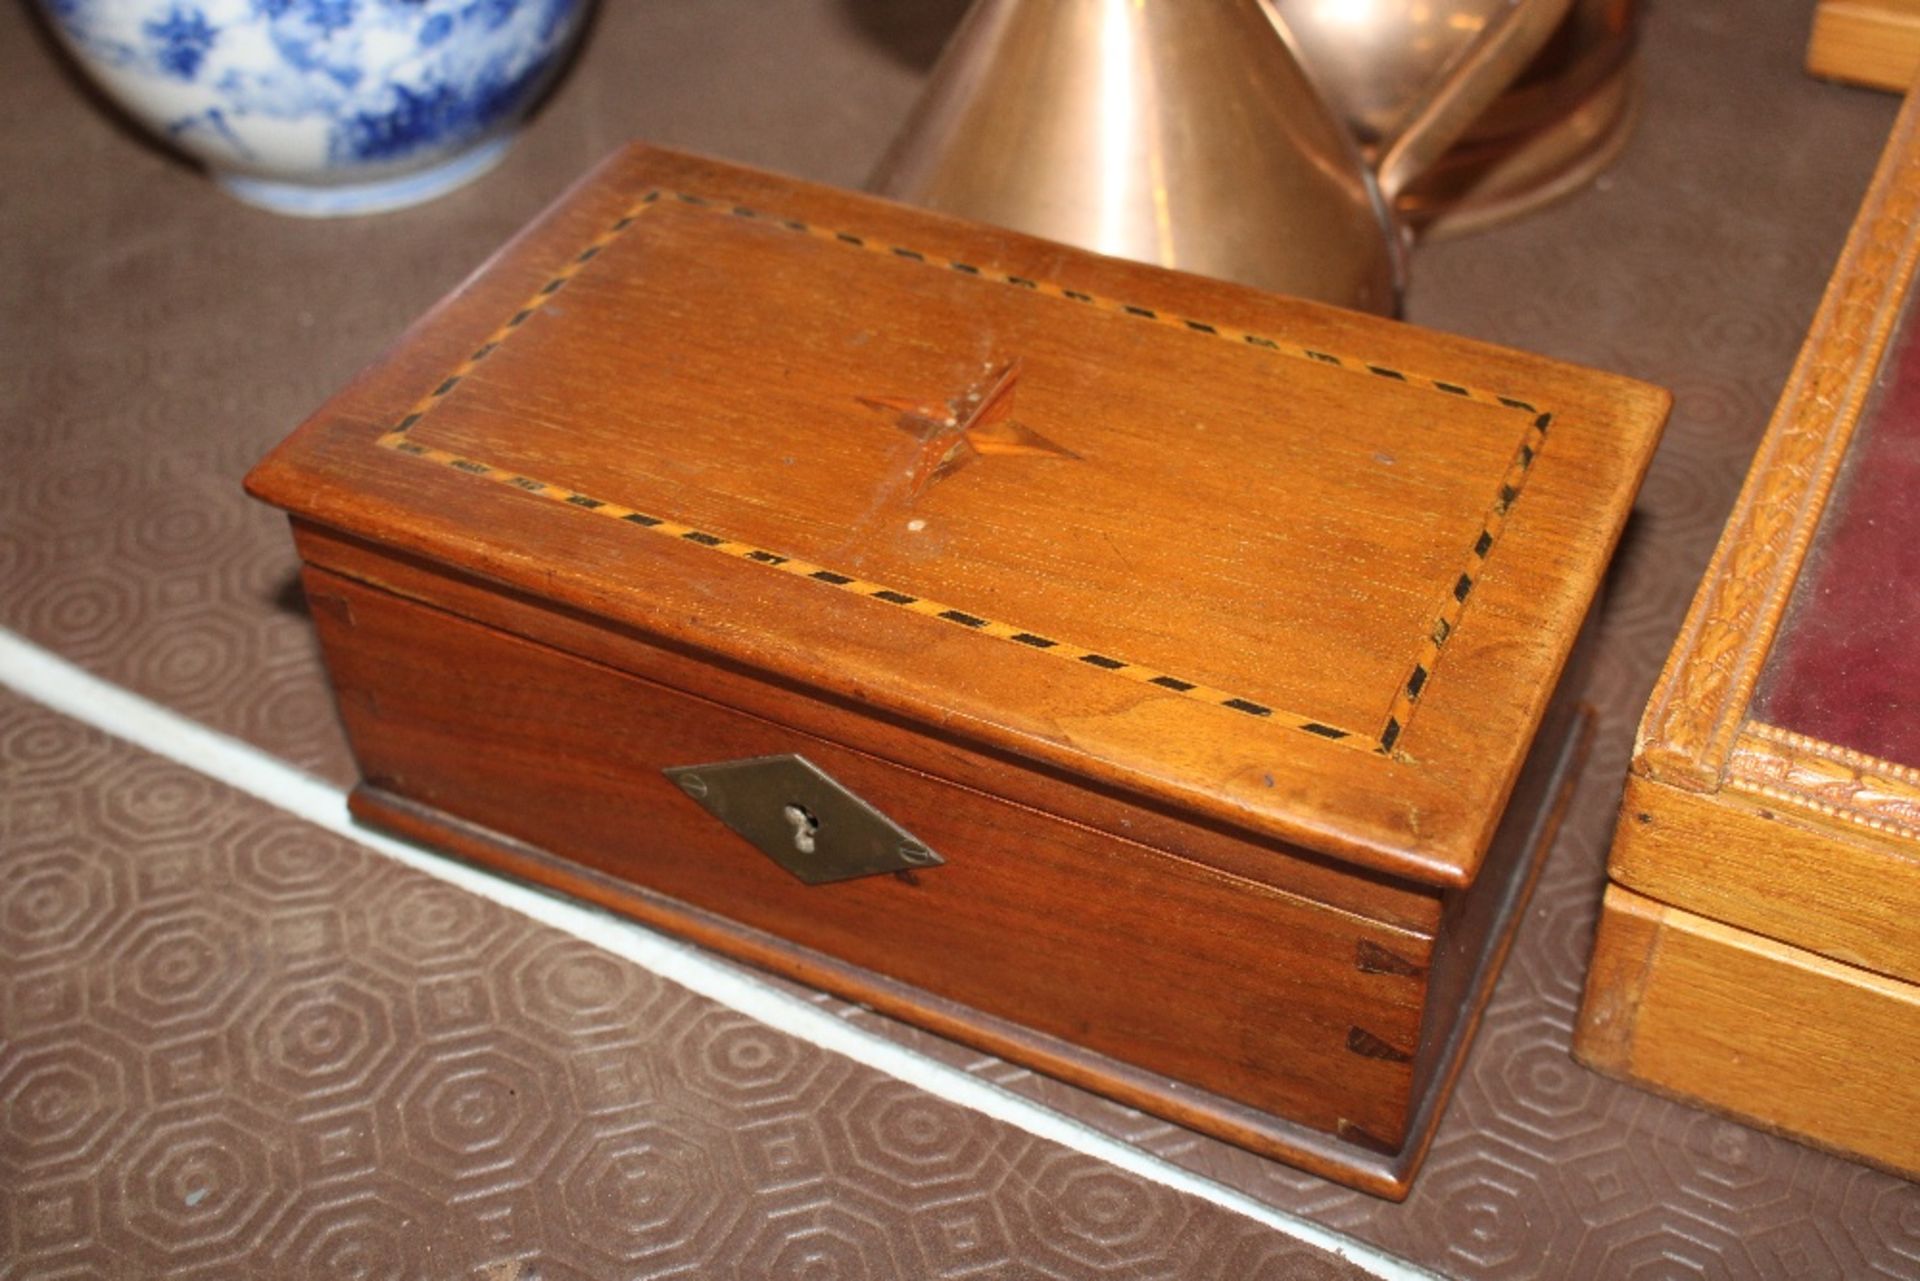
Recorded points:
(949, 755)
(1207, 978)
(1773, 1035)
(1765, 865)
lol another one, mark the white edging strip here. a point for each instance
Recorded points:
(46, 678)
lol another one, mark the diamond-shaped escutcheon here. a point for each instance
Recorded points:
(792, 811)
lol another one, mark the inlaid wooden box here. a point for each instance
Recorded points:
(1757, 949)
(1171, 668)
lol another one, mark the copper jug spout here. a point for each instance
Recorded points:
(1179, 132)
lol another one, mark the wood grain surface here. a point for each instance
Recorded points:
(1769, 866)
(1302, 573)
(567, 755)
(1869, 42)
(1781, 1037)
(1399, 904)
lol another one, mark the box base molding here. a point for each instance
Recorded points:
(1353, 1159)
(1769, 1034)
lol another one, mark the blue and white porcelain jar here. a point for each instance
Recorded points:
(324, 107)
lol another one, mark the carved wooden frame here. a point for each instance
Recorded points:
(1755, 951)
(1699, 734)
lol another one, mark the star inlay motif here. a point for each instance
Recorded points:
(977, 424)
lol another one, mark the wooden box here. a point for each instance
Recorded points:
(1195, 640)
(1757, 949)
(1869, 42)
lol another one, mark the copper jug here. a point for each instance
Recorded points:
(1550, 130)
(1184, 133)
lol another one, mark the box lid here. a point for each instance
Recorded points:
(1305, 573)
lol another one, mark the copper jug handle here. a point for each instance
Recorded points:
(1481, 74)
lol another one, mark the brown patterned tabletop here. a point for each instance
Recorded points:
(235, 1043)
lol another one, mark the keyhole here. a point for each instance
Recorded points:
(804, 826)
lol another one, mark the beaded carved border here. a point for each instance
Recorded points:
(1406, 698)
(1833, 781)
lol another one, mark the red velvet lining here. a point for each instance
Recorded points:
(1846, 666)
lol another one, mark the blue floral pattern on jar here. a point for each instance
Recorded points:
(322, 91)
